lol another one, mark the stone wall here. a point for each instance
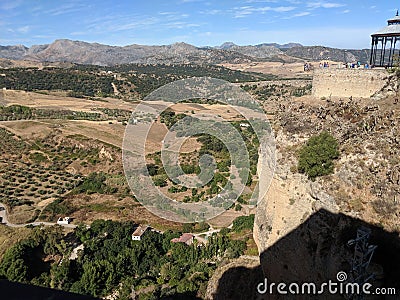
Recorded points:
(359, 83)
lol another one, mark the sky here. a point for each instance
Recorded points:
(334, 23)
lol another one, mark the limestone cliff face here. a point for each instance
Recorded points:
(302, 227)
(302, 237)
(288, 200)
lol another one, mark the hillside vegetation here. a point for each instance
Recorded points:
(131, 80)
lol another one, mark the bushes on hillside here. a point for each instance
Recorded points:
(317, 155)
(243, 222)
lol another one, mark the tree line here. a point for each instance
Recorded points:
(111, 260)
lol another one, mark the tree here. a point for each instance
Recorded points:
(317, 156)
(243, 222)
(16, 270)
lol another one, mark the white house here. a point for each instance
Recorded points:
(138, 233)
(64, 221)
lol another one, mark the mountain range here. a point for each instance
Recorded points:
(64, 50)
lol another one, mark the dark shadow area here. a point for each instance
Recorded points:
(239, 283)
(315, 252)
(18, 291)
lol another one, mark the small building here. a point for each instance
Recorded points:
(245, 125)
(64, 221)
(138, 233)
(186, 238)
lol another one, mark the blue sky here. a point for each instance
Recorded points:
(335, 23)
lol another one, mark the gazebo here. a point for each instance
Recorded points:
(384, 43)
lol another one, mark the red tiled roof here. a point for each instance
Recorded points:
(183, 238)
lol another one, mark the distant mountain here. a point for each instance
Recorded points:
(316, 53)
(258, 51)
(226, 45)
(13, 52)
(296, 50)
(284, 46)
(99, 54)
(179, 53)
(230, 45)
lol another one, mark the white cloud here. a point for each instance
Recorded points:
(297, 15)
(24, 29)
(189, 1)
(212, 12)
(261, 1)
(167, 13)
(283, 8)
(347, 38)
(135, 24)
(77, 33)
(243, 11)
(300, 14)
(17, 41)
(117, 23)
(314, 5)
(43, 36)
(10, 5)
(66, 9)
(181, 25)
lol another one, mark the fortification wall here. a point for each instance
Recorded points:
(348, 82)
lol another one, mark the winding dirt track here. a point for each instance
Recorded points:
(3, 215)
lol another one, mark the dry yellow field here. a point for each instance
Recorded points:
(9, 236)
(36, 100)
(109, 132)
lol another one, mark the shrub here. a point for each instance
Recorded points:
(243, 222)
(238, 207)
(160, 180)
(316, 157)
(94, 183)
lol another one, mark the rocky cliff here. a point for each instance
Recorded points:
(303, 226)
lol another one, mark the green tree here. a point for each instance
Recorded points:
(317, 155)
(243, 222)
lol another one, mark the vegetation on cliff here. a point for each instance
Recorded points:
(317, 155)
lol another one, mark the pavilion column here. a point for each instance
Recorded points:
(384, 51)
(391, 52)
(382, 58)
(372, 53)
(376, 49)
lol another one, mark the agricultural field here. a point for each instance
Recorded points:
(61, 144)
(48, 160)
